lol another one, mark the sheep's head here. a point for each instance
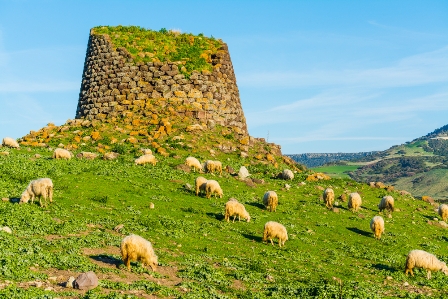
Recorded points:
(152, 262)
(248, 217)
(444, 269)
(25, 197)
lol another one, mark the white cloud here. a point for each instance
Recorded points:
(425, 68)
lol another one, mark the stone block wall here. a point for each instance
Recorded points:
(114, 86)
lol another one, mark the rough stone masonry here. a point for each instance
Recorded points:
(114, 86)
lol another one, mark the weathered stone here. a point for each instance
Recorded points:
(243, 172)
(86, 281)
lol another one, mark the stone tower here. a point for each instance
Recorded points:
(115, 86)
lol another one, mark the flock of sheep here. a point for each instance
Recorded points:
(136, 248)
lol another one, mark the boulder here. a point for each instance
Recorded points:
(86, 281)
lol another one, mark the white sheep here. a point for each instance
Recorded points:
(443, 211)
(10, 142)
(146, 159)
(146, 151)
(273, 230)
(377, 226)
(270, 201)
(193, 162)
(38, 188)
(234, 208)
(110, 156)
(200, 184)
(328, 197)
(354, 201)
(386, 203)
(212, 166)
(136, 248)
(61, 153)
(422, 259)
(287, 174)
(212, 187)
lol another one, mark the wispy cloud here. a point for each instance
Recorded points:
(425, 68)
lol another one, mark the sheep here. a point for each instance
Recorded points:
(212, 186)
(136, 248)
(443, 211)
(273, 230)
(146, 159)
(61, 153)
(218, 167)
(193, 162)
(354, 201)
(40, 188)
(328, 197)
(386, 203)
(270, 200)
(377, 226)
(10, 142)
(213, 166)
(199, 184)
(234, 208)
(425, 260)
(287, 174)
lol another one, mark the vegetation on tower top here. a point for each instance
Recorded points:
(146, 45)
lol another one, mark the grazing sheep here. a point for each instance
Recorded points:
(86, 155)
(234, 208)
(328, 197)
(40, 188)
(425, 260)
(218, 167)
(146, 151)
(270, 201)
(199, 184)
(386, 203)
(193, 162)
(61, 153)
(273, 230)
(146, 159)
(377, 226)
(212, 187)
(287, 174)
(354, 201)
(443, 211)
(213, 166)
(10, 142)
(136, 248)
(110, 156)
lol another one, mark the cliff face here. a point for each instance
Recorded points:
(115, 86)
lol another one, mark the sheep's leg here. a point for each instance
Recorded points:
(272, 243)
(127, 261)
(428, 274)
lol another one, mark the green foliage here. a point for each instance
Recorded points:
(213, 258)
(147, 45)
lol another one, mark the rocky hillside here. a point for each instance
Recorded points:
(420, 166)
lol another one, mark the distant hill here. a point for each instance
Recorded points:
(315, 160)
(419, 166)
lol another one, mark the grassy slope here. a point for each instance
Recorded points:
(433, 182)
(215, 259)
(337, 171)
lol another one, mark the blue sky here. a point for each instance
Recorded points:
(314, 76)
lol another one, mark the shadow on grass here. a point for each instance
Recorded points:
(257, 239)
(359, 231)
(107, 259)
(257, 205)
(384, 267)
(217, 216)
